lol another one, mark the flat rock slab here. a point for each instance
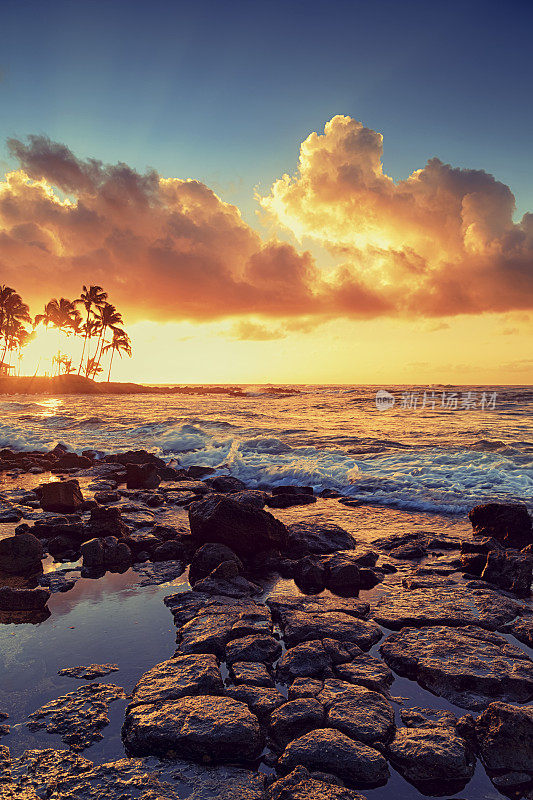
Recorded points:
(360, 713)
(179, 677)
(300, 626)
(300, 785)
(283, 603)
(157, 572)
(469, 666)
(453, 606)
(433, 753)
(63, 774)
(505, 737)
(205, 728)
(88, 673)
(78, 716)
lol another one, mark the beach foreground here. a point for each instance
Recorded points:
(324, 647)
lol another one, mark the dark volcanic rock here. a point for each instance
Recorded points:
(206, 728)
(433, 753)
(289, 499)
(359, 712)
(64, 497)
(88, 673)
(209, 556)
(327, 750)
(508, 523)
(251, 674)
(78, 716)
(226, 484)
(505, 737)
(301, 785)
(106, 522)
(142, 476)
(511, 570)
(245, 530)
(295, 718)
(445, 606)
(317, 537)
(522, 629)
(179, 677)
(342, 572)
(20, 554)
(258, 647)
(307, 660)
(23, 599)
(468, 666)
(105, 553)
(261, 700)
(284, 603)
(299, 626)
(365, 670)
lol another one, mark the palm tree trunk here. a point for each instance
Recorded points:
(110, 364)
(83, 351)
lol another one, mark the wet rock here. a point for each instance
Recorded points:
(505, 738)
(226, 484)
(200, 728)
(245, 530)
(317, 537)
(179, 677)
(106, 522)
(59, 581)
(284, 603)
(20, 554)
(522, 629)
(508, 523)
(207, 623)
(12, 599)
(142, 476)
(154, 574)
(468, 666)
(10, 514)
(365, 670)
(299, 626)
(342, 572)
(294, 719)
(197, 472)
(301, 785)
(79, 716)
(289, 499)
(307, 660)
(358, 712)
(90, 672)
(453, 606)
(209, 556)
(258, 647)
(64, 497)
(309, 574)
(251, 674)
(169, 551)
(105, 553)
(105, 498)
(237, 586)
(250, 497)
(304, 687)
(432, 753)
(261, 700)
(287, 488)
(511, 570)
(328, 750)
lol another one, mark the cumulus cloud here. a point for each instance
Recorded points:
(254, 331)
(441, 242)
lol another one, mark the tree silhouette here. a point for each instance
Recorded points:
(13, 313)
(108, 318)
(120, 343)
(91, 298)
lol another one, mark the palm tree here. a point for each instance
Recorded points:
(91, 298)
(62, 314)
(107, 317)
(120, 343)
(13, 313)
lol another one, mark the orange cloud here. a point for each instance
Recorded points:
(442, 242)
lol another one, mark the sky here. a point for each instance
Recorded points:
(305, 192)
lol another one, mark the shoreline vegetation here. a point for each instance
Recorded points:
(78, 384)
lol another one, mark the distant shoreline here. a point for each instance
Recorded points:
(77, 384)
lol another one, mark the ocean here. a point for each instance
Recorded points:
(439, 449)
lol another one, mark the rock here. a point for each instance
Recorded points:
(250, 673)
(20, 554)
(409, 552)
(258, 647)
(505, 737)
(159, 572)
(522, 629)
(106, 522)
(469, 666)
(432, 753)
(309, 574)
(511, 570)
(142, 476)
(64, 497)
(23, 599)
(197, 472)
(295, 718)
(225, 484)
(88, 673)
(179, 677)
(78, 716)
(10, 515)
(261, 700)
(250, 497)
(359, 713)
(327, 750)
(342, 572)
(208, 728)
(365, 670)
(453, 606)
(291, 489)
(307, 660)
(508, 523)
(290, 499)
(300, 785)
(104, 498)
(284, 603)
(58, 581)
(318, 538)
(209, 556)
(169, 551)
(105, 553)
(245, 530)
(299, 626)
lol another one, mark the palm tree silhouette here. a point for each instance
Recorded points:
(13, 313)
(91, 298)
(62, 314)
(120, 343)
(108, 318)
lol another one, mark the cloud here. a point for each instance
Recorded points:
(248, 330)
(441, 242)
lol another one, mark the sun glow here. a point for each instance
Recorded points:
(41, 354)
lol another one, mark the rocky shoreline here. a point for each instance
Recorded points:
(290, 639)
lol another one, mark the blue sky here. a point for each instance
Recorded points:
(226, 91)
